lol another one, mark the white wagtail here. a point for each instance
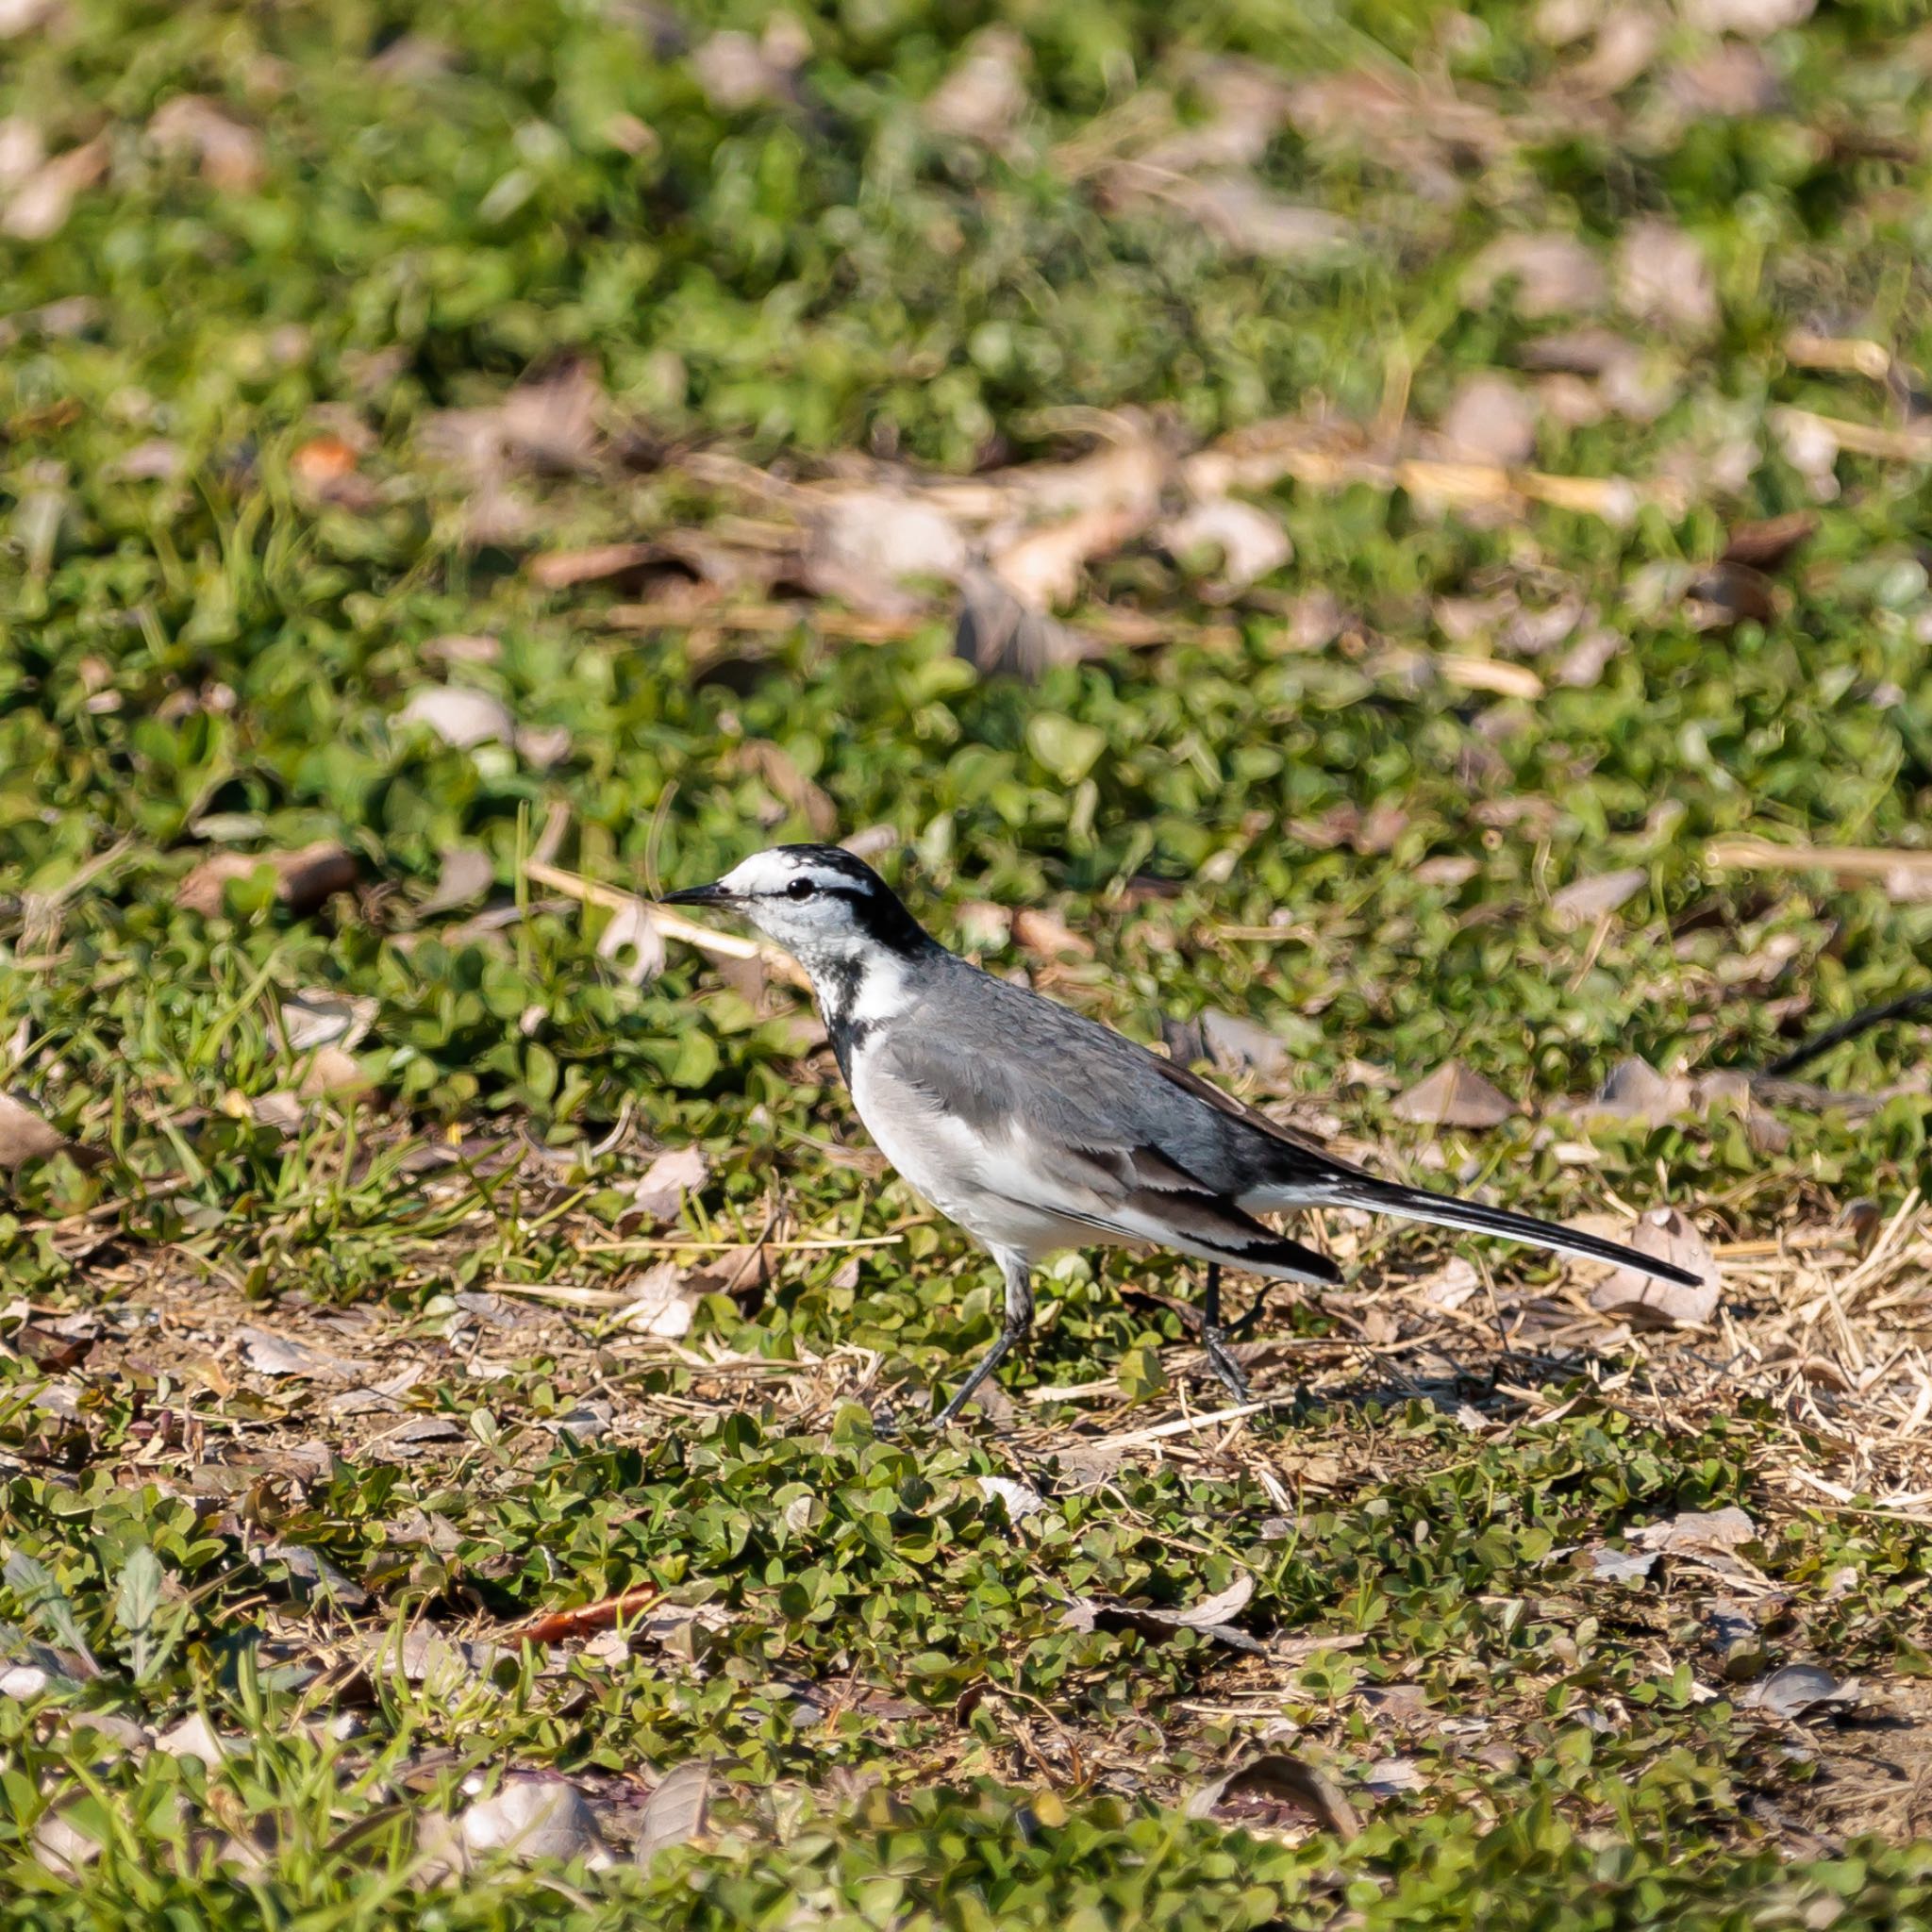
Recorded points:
(1037, 1129)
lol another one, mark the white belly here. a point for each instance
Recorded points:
(968, 1180)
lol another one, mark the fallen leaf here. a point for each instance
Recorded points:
(466, 875)
(1698, 1532)
(1587, 899)
(677, 1812)
(62, 1847)
(981, 927)
(1043, 568)
(561, 570)
(662, 1303)
(269, 1353)
(1492, 420)
(1585, 660)
(25, 1136)
(984, 92)
(1047, 935)
(1647, 1302)
(1753, 19)
(1626, 42)
(22, 150)
(1022, 1500)
(1664, 278)
(1771, 543)
(1800, 1691)
(1619, 1566)
(39, 207)
(1237, 1044)
(1250, 541)
(1633, 1090)
(316, 1017)
(303, 880)
(560, 1626)
(1452, 1096)
(459, 716)
(1210, 1617)
(1553, 273)
(1729, 82)
(195, 1736)
(656, 1195)
(1245, 216)
(534, 1816)
(230, 153)
(1257, 1792)
(737, 72)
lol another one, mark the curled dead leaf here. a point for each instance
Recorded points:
(1277, 1789)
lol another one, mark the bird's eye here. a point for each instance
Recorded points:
(800, 889)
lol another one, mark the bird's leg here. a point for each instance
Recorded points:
(1214, 1339)
(1018, 1320)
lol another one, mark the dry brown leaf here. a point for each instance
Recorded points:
(230, 153)
(1729, 82)
(305, 879)
(737, 72)
(1646, 1301)
(1452, 1096)
(1771, 543)
(24, 1137)
(656, 1195)
(22, 150)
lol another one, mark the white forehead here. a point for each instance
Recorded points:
(772, 872)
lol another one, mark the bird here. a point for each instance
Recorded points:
(1037, 1129)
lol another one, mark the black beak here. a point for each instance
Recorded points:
(713, 894)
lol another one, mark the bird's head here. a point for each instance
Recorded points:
(813, 900)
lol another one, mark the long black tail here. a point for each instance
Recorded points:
(1444, 1211)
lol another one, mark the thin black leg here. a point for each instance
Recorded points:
(1019, 1319)
(1214, 1339)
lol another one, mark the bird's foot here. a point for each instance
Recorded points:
(1229, 1371)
